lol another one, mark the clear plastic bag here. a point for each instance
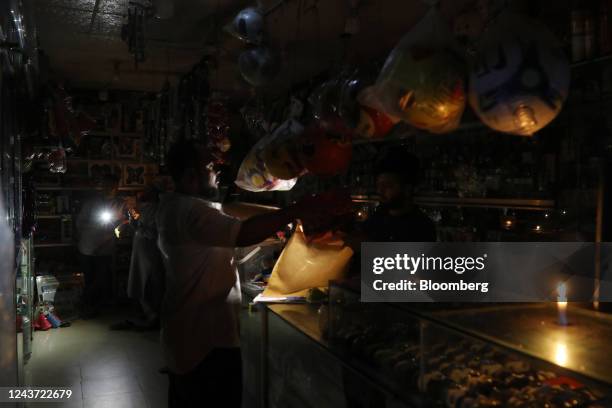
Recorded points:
(254, 175)
(520, 78)
(324, 100)
(281, 155)
(423, 79)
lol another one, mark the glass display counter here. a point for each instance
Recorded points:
(503, 355)
(284, 347)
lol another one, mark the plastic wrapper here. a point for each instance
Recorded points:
(259, 65)
(324, 100)
(349, 108)
(253, 174)
(520, 78)
(57, 160)
(373, 124)
(302, 265)
(326, 149)
(422, 81)
(281, 155)
(248, 26)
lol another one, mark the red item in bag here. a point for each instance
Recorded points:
(327, 150)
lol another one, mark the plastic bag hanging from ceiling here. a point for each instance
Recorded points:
(520, 78)
(423, 79)
(254, 175)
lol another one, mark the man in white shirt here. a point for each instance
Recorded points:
(199, 318)
(95, 224)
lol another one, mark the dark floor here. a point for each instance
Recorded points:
(103, 368)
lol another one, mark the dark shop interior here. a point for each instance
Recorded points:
(306, 203)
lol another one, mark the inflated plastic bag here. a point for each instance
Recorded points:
(302, 265)
(325, 99)
(520, 78)
(253, 174)
(423, 80)
(281, 155)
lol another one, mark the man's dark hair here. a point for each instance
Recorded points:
(182, 156)
(398, 161)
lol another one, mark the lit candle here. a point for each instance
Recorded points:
(562, 303)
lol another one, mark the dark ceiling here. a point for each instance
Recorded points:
(85, 47)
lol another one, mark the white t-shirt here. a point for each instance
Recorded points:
(202, 299)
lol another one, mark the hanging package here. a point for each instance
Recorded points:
(259, 65)
(254, 175)
(520, 78)
(325, 98)
(248, 26)
(422, 81)
(373, 124)
(281, 155)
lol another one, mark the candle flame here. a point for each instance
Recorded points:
(562, 292)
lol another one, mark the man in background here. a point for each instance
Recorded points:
(95, 226)
(397, 218)
(199, 319)
(146, 278)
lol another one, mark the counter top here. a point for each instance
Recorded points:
(533, 330)
(303, 317)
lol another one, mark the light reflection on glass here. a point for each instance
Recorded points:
(561, 355)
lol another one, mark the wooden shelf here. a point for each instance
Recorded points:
(481, 202)
(485, 202)
(60, 188)
(594, 61)
(54, 245)
(114, 134)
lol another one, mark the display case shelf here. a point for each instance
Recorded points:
(592, 62)
(490, 354)
(485, 202)
(54, 245)
(482, 202)
(114, 134)
(533, 330)
(53, 217)
(60, 188)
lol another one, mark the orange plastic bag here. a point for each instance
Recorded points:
(302, 265)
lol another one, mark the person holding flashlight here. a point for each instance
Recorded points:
(95, 225)
(199, 318)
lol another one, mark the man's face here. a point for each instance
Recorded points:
(207, 176)
(390, 189)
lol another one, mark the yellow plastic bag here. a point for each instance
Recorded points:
(302, 265)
